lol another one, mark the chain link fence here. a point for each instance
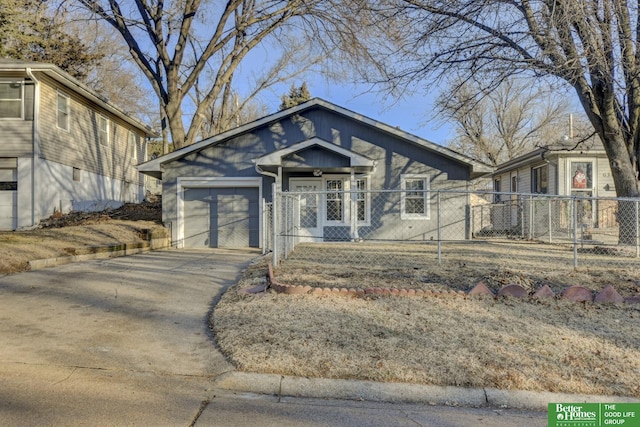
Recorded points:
(367, 229)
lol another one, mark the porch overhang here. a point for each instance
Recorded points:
(283, 158)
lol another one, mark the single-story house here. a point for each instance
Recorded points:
(64, 147)
(564, 169)
(213, 191)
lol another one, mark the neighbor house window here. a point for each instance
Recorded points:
(415, 197)
(76, 174)
(133, 146)
(103, 130)
(540, 180)
(63, 111)
(11, 96)
(334, 200)
(496, 189)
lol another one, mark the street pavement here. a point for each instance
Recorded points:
(125, 341)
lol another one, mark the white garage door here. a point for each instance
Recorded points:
(8, 199)
(221, 217)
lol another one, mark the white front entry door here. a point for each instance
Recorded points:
(309, 218)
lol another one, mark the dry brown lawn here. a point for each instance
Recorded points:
(20, 247)
(550, 345)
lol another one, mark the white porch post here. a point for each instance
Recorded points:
(354, 207)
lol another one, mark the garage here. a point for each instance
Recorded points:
(8, 199)
(221, 217)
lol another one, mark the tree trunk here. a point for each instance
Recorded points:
(176, 125)
(625, 179)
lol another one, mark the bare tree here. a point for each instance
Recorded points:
(174, 42)
(115, 76)
(502, 124)
(590, 45)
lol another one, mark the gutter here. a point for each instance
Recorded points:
(35, 207)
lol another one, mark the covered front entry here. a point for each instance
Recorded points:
(221, 217)
(309, 221)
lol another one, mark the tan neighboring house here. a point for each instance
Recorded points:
(63, 147)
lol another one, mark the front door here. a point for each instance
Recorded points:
(308, 220)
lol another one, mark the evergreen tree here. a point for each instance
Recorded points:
(296, 96)
(29, 33)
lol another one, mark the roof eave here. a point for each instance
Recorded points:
(72, 83)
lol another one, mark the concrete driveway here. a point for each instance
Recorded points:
(114, 342)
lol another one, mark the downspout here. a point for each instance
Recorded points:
(274, 231)
(35, 207)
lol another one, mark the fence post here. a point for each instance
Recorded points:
(531, 219)
(637, 228)
(550, 223)
(575, 232)
(263, 234)
(438, 226)
(353, 207)
(521, 207)
(274, 224)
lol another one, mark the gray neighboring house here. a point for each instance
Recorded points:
(565, 169)
(63, 147)
(213, 190)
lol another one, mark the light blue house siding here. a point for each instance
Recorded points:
(314, 146)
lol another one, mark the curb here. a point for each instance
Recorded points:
(321, 388)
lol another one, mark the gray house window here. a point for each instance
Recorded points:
(334, 200)
(540, 180)
(415, 197)
(63, 111)
(362, 199)
(11, 100)
(103, 130)
(133, 146)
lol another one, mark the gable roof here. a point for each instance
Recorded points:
(275, 158)
(153, 167)
(71, 83)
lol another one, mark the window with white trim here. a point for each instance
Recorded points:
(63, 111)
(133, 146)
(103, 130)
(11, 97)
(362, 200)
(334, 200)
(414, 197)
(337, 200)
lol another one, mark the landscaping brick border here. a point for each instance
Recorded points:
(574, 293)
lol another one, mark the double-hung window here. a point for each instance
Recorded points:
(11, 96)
(334, 205)
(540, 180)
(338, 200)
(133, 146)
(63, 111)
(361, 199)
(103, 130)
(414, 197)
